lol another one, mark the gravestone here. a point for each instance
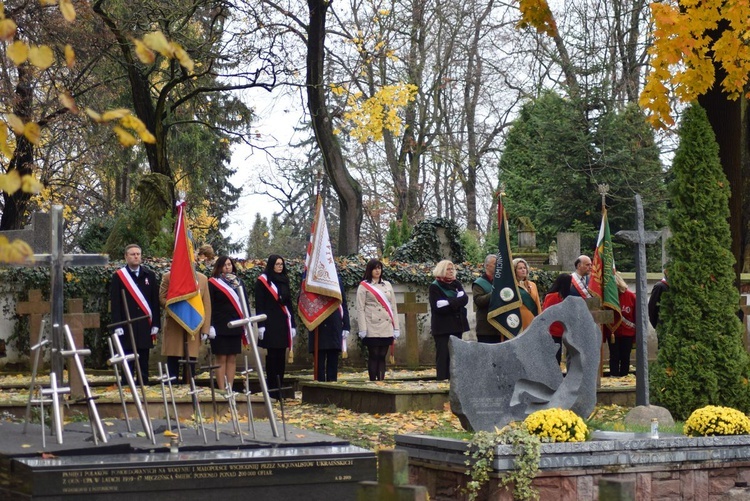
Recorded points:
(494, 384)
(36, 308)
(410, 309)
(36, 234)
(568, 250)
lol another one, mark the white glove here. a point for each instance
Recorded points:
(294, 333)
(211, 333)
(119, 331)
(460, 294)
(204, 336)
(154, 331)
(362, 334)
(261, 332)
(442, 303)
(344, 334)
(396, 333)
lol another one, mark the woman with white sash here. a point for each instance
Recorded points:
(377, 318)
(276, 334)
(226, 343)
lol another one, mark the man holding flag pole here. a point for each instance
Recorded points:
(504, 310)
(184, 293)
(602, 284)
(322, 301)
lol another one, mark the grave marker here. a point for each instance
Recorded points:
(410, 308)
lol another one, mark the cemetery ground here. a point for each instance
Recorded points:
(370, 431)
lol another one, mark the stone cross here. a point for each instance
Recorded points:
(640, 237)
(76, 320)
(410, 308)
(57, 260)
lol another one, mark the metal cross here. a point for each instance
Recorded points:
(640, 237)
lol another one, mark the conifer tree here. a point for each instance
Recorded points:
(701, 359)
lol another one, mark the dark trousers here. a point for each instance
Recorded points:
(173, 365)
(619, 356)
(558, 355)
(328, 365)
(275, 368)
(442, 356)
(489, 339)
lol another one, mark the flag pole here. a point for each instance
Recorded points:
(316, 343)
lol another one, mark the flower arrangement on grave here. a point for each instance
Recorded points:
(556, 425)
(713, 420)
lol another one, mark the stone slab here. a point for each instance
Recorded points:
(373, 399)
(302, 465)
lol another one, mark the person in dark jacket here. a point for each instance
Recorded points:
(654, 302)
(331, 334)
(557, 293)
(481, 294)
(142, 297)
(226, 343)
(448, 306)
(276, 334)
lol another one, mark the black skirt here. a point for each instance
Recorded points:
(378, 341)
(226, 345)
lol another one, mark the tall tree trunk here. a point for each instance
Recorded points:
(730, 127)
(347, 188)
(14, 208)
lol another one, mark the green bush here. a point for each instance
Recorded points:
(701, 358)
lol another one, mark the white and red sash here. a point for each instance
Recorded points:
(134, 291)
(232, 296)
(380, 296)
(577, 282)
(275, 293)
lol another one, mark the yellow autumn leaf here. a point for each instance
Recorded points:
(18, 52)
(115, 114)
(145, 54)
(146, 136)
(132, 122)
(67, 10)
(170, 433)
(15, 123)
(70, 56)
(17, 251)
(158, 42)
(95, 116)
(183, 57)
(32, 132)
(5, 148)
(67, 100)
(48, 2)
(7, 30)
(10, 182)
(41, 56)
(126, 138)
(25, 446)
(30, 184)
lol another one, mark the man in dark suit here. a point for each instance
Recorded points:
(142, 297)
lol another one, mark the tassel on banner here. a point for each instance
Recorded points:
(344, 353)
(392, 357)
(290, 360)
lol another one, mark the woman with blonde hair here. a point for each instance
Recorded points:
(530, 306)
(619, 350)
(448, 306)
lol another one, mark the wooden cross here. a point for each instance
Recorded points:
(410, 309)
(76, 320)
(36, 309)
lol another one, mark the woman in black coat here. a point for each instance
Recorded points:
(331, 334)
(276, 334)
(448, 306)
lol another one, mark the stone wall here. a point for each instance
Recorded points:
(663, 469)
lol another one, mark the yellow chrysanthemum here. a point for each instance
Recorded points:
(556, 425)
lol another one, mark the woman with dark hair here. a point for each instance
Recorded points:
(557, 293)
(448, 314)
(224, 287)
(377, 317)
(273, 298)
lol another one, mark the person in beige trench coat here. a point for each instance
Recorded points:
(172, 343)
